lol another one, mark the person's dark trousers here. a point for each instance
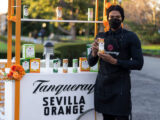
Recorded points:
(112, 117)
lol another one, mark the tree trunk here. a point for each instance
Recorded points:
(73, 31)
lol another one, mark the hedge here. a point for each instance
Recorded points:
(61, 50)
(4, 39)
(70, 51)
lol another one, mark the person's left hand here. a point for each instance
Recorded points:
(107, 58)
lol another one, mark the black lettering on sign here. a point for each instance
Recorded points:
(42, 86)
(75, 109)
(75, 100)
(59, 100)
(46, 111)
(81, 108)
(68, 110)
(52, 101)
(38, 86)
(82, 101)
(64, 100)
(63, 105)
(69, 100)
(53, 110)
(45, 101)
(60, 110)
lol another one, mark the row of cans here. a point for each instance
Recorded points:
(58, 12)
(56, 64)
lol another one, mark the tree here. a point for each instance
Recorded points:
(138, 11)
(72, 10)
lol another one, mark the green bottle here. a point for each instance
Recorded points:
(55, 65)
(75, 65)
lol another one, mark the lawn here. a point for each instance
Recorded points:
(3, 47)
(147, 49)
(151, 47)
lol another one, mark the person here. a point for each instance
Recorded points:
(123, 53)
(42, 34)
(35, 36)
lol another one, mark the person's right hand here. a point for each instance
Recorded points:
(95, 48)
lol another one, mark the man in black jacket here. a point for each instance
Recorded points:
(122, 54)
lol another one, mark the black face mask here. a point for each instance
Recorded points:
(114, 23)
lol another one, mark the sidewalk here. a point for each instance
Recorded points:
(28, 39)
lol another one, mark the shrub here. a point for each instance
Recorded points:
(70, 51)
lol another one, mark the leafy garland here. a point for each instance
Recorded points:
(16, 72)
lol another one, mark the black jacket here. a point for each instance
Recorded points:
(113, 85)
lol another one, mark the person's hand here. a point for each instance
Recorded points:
(107, 58)
(95, 48)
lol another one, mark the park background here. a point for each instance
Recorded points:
(141, 16)
(70, 40)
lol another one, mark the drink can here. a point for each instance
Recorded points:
(65, 65)
(90, 14)
(55, 65)
(101, 45)
(59, 13)
(75, 65)
(25, 11)
(89, 46)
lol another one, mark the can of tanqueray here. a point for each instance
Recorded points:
(90, 14)
(75, 65)
(101, 45)
(65, 65)
(55, 65)
(59, 13)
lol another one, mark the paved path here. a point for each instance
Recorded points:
(146, 91)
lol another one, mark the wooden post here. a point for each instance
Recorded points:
(96, 29)
(12, 7)
(114, 2)
(96, 18)
(17, 54)
(18, 31)
(9, 42)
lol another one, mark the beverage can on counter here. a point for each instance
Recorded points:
(83, 63)
(59, 13)
(65, 65)
(101, 45)
(90, 14)
(25, 11)
(89, 46)
(25, 64)
(3, 65)
(35, 65)
(75, 65)
(55, 65)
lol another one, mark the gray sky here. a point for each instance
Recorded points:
(3, 6)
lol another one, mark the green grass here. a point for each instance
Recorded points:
(151, 47)
(3, 47)
(147, 49)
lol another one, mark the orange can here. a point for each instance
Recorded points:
(65, 65)
(101, 45)
(35, 65)
(59, 13)
(2, 66)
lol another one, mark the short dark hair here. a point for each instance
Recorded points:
(116, 8)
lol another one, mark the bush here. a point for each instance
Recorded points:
(148, 33)
(70, 51)
(4, 39)
(61, 50)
